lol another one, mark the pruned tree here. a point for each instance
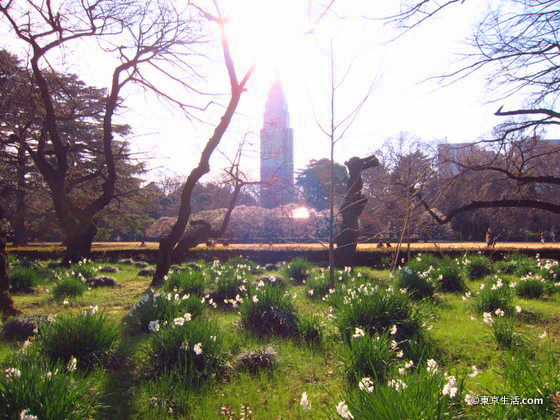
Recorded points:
(351, 209)
(145, 33)
(169, 242)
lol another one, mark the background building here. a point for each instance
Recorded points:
(277, 151)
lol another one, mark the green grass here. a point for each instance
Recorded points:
(316, 370)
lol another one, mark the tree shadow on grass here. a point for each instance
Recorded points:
(118, 383)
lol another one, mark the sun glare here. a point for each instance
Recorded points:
(300, 213)
(268, 31)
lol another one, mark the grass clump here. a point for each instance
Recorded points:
(190, 353)
(275, 281)
(269, 310)
(34, 387)
(503, 331)
(423, 262)
(420, 394)
(90, 337)
(505, 266)
(23, 279)
(69, 286)
(83, 269)
(530, 287)
(493, 296)
(549, 270)
(477, 266)
(240, 262)
(164, 307)
(228, 281)
(449, 276)
(310, 329)
(528, 376)
(516, 263)
(367, 356)
(318, 286)
(189, 282)
(420, 284)
(299, 270)
(377, 310)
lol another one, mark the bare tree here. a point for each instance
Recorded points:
(335, 132)
(168, 243)
(521, 172)
(517, 44)
(409, 169)
(140, 34)
(203, 230)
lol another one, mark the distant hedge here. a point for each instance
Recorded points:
(264, 256)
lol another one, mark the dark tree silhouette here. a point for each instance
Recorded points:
(169, 242)
(7, 307)
(148, 33)
(352, 206)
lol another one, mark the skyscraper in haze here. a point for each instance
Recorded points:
(277, 151)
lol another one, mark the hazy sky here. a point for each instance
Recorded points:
(270, 33)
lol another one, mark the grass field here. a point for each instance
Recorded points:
(317, 370)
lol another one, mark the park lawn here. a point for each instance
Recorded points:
(318, 371)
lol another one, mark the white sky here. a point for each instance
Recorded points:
(269, 33)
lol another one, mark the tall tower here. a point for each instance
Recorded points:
(277, 151)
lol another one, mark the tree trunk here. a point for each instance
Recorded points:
(332, 259)
(7, 307)
(351, 209)
(191, 240)
(78, 245)
(177, 254)
(163, 262)
(347, 239)
(168, 243)
(21, 208)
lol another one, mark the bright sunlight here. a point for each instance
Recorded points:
(268, 31)
(300, 213)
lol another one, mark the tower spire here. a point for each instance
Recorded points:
(276, 73)
(277, 149)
